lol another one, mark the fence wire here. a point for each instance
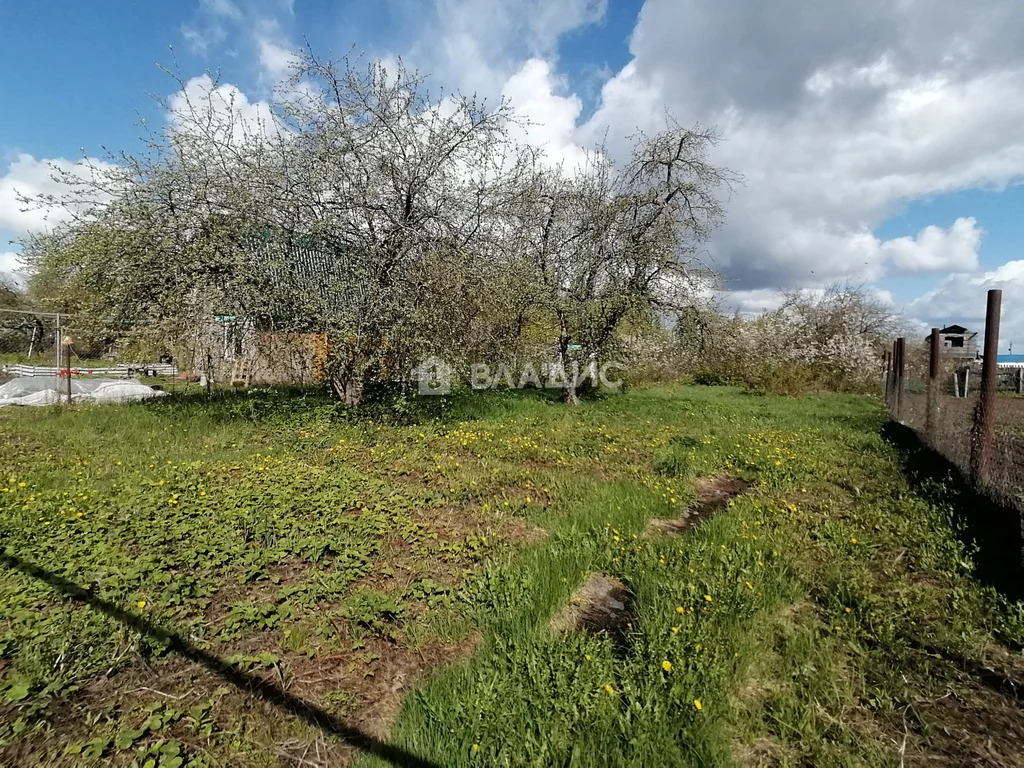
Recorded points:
(943, 404)
(41, 344)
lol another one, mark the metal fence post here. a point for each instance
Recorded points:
(66, 344)
(890, 395)
(983, 445)
(58, 338)
(932, 399)
(901, 364)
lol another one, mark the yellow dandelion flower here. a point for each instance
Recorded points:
(609, 690)
(853, 540)
(707, 598)
(675, 630)
(141, 604)
(475, 747)
(697, 705)
(666, 665)
(680, 609)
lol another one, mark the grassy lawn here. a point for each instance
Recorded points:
(258, 580)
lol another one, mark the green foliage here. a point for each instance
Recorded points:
(378, 613)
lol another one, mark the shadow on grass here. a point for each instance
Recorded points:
(993, 679)
(992, 525)
(269, 692)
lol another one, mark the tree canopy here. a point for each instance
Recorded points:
(433, 231)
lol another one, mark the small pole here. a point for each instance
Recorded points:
(932, 401)
(900, 371)
(956, 385)
(1020, 380)
(209, 372)
(58, 338)
(983, 445)
(66, 343)
(967, 379)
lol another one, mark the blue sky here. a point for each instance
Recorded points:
(879, 144)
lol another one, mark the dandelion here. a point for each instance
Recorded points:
(707, 598)
(141, 604)
(675, 630)
(609, 690)
(586, 656)
(853, 540)
(680, 609)
(615, 538)
(475, 747)
(666, 665)
(697, 705)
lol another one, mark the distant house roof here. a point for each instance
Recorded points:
(955, 330)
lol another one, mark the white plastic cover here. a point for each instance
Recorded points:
(46, 390)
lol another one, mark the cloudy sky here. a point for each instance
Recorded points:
(881, 141)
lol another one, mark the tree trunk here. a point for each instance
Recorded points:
(348, 389)
(348, 380)
(569, 394)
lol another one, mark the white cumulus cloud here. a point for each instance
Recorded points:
(961, 298)
(30, 177)
(936, 249)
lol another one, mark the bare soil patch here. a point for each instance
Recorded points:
(713, 494)
(602, 604)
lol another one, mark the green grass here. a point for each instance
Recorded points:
(823, 618)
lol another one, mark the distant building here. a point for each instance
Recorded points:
(957, 341)
(1010, 361)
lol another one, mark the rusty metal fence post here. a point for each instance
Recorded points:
(983, 444)
(901, 363)
(890, 399)
(932, 398)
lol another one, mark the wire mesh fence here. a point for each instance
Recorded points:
(969, 407)
(203, 352)
(29, 338)
(58, 358)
